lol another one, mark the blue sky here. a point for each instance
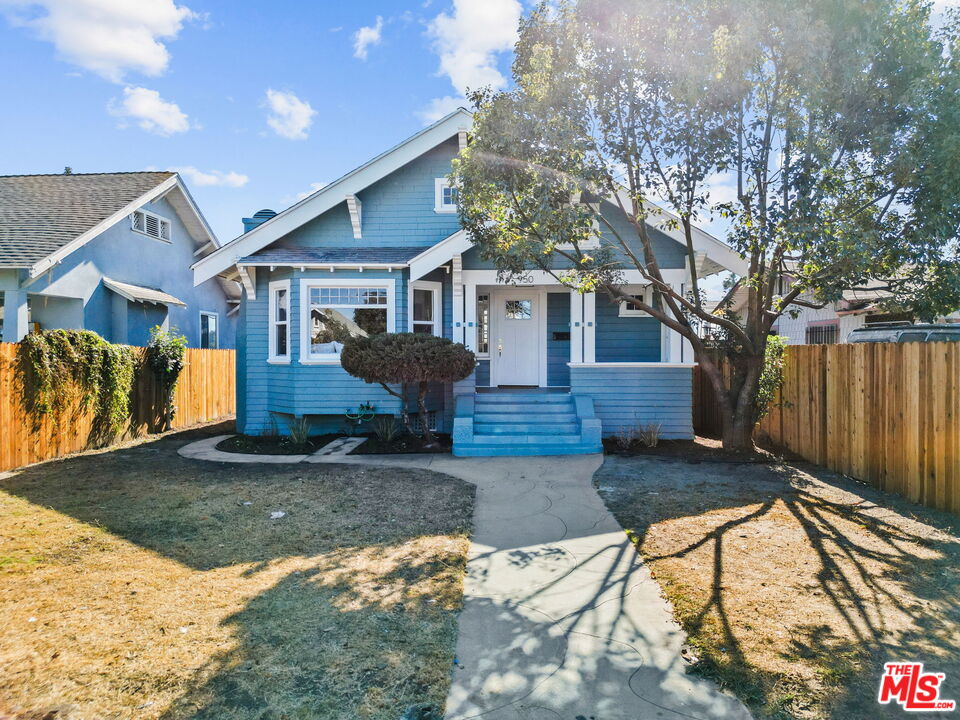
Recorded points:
(261, 100)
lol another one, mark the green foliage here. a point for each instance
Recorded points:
(398, 358)
(407, 359)
(62, 365)
(165, 356)
(771, 377)
(385, 428)
(299, 431)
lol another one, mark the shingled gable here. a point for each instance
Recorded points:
(331, 195)
(44, 218)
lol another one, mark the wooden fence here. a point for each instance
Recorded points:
(206, 391)
(887, 414)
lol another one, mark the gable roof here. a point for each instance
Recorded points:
(44, 218)
(331, 195)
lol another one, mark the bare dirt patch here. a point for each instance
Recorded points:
(794, 584)
(138, 584)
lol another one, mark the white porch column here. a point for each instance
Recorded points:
(470, 316)
(589, 327)
(576, 327)
(457, 280)
(15, 315)
(671, 342)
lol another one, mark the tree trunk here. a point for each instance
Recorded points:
(428, 439)
(402, 395)
(737, 398)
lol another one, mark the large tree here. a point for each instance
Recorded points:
(836, 123)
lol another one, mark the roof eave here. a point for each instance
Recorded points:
(330, 196)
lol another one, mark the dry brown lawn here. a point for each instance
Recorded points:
(795, 585)
(137, 584)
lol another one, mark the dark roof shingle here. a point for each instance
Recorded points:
(39, 214)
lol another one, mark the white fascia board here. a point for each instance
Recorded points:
(436, 255)
(330, 195)
(206, 233)
(325, 265)
(704, 242)
(81, 240)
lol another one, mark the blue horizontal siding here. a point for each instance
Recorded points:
(625, 339)
(625, 398)
(558, 351)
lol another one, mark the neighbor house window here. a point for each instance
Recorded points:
(279, 321)
(446, 196)
(644, 295)
(334, 311)
(150, 224)
(827, 334)
(426, 315)
(483, 324)
(209, 330)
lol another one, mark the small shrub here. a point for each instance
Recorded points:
(386, 429)
(408, 360)
(626, 438)
(299, 431)
(649, 434)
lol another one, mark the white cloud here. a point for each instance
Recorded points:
(151, 112)
(290, 117)
(108, 37)
(211, 178)
(441, 107)
(313, 188)
(468, 42)
(365, 37)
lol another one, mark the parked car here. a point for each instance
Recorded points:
(899, 332)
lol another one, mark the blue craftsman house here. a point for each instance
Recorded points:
(381, 249)
(109, 252)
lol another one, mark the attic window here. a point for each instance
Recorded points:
(445, 196)
(150, 224)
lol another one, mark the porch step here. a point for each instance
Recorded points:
(525, 428)
(525, 417)
(524, 423)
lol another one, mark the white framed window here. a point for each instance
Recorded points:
(209, 330)
(445, 200)
(425, 309)
(279, 334)
(333, 310)
(150, 224)
(643, 293)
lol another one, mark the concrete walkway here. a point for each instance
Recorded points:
(561, 620)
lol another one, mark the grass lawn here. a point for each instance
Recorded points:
(795, 585)
(137, 584)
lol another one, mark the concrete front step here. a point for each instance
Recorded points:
(525, 407)
(536, 418)
(519, 428)
(481, 439)
(539, 398)
(477, 450)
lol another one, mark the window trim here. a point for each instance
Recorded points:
(216, 316)
(304, 315)
(273, 288)
(160, 220)
(489, 295)
(628, 311)
(436, 288)
(439, 185)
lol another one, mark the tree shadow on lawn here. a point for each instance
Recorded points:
(796, 584)
(345, 607)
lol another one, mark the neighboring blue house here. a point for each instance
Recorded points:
(381, 248)
(109, 252)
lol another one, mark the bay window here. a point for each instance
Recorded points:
(336, 310)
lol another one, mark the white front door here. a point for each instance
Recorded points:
(516, 346)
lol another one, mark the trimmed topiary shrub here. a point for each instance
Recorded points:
(408, 360)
